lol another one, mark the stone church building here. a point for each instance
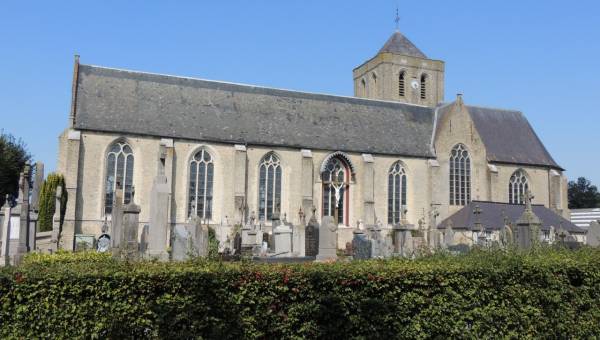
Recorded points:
(231, 152)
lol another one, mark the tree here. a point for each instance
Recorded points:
(48, 201)
(13, 157)
(582, 194)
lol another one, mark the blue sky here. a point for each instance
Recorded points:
(541, 57)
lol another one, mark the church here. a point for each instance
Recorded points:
(393, 152)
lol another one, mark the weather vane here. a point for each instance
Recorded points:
(397, 20)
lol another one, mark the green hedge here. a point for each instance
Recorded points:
(546, 294)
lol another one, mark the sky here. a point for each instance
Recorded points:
(540, 57)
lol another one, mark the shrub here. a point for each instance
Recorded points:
(48, 201)
(543, 294)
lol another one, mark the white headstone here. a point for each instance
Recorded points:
(4, 233)
(593, 234)
(159, 215)
(327, 240)
(448, 236)
(299, 240)
(282, 235)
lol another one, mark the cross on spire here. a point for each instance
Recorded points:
(397, 20)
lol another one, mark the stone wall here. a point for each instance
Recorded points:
(236, 173)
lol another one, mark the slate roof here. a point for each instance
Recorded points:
(507, 135)
(130, 102)
(399, 44)
(123, 101)
(492, 217)
(509, 138)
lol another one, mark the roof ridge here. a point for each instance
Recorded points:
(494, 108)
(504, 203)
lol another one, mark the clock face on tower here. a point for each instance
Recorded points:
(414, 84)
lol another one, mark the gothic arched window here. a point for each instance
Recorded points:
(460, 176)
(336, 179)
(269, 187)
(517, 187)
(396, 192)
(423, 86)
(364, 86)
(119, 173)
(200, 190)
(401, 84)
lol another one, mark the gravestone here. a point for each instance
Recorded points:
(199, 245)
(282, 236)
(117, 221)
(130, 244)
(103, 244)
(159, 219)
(190, 240)
(144, 240)
(311, 237)
(361, 246)
(5, 233)
(298, 240)
(264, 246)
(593, 234)
(407, 249)
(38, 180)
(448, 236)
(506, 235)
(237, 244)
(528, 226)
(19, 241)
(327, 240)
(376, 241)
(55, 236)
(179, 242)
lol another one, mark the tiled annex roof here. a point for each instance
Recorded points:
(130, 102)
(493, 214)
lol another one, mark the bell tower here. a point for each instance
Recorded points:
(400, 72)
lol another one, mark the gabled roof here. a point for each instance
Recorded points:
(128, 102)
(399, 44)
(493, 214)
(507, 135)
(509, 138)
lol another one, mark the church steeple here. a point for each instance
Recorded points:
(399, 44)
(402, 72)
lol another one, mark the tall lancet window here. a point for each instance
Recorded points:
(402, 84)
(269, 187)
(119, 173)
(423, 86)
(200, 190)
(336, 179)
(396, 192)
(517, 187)
(460, 176)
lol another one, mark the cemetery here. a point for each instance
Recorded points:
(295, 280)
(396, 207)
